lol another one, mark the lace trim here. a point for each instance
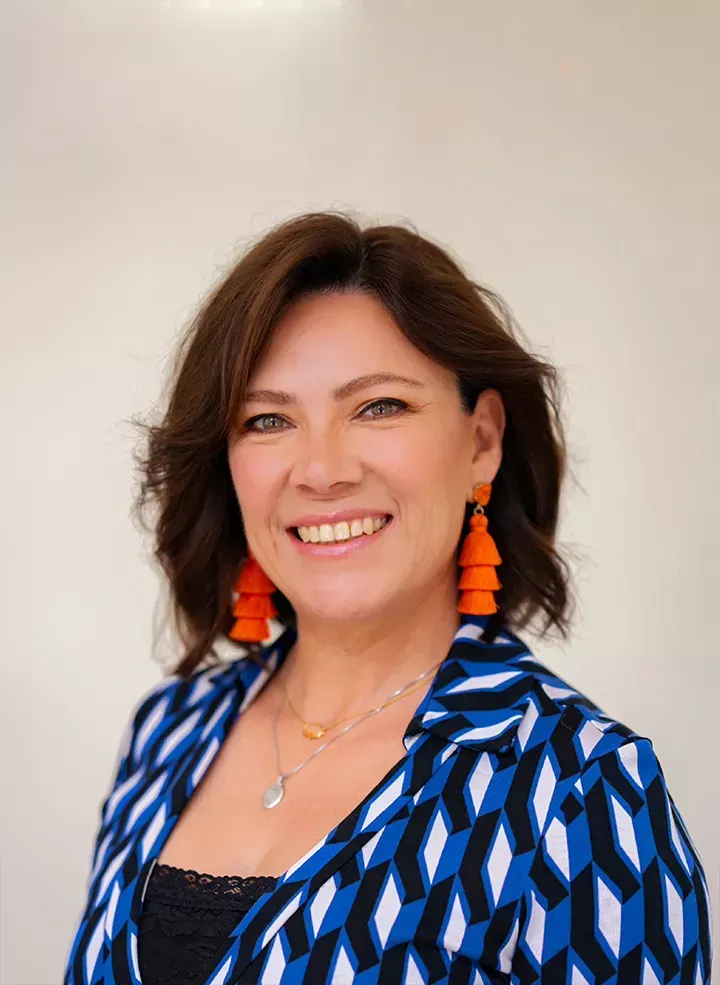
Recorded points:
(187, 887)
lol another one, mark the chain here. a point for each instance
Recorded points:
(322, 729)
(401, 692)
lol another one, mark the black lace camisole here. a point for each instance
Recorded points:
(185, 921)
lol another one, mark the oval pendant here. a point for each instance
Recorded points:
(274, 794)
(314, 731)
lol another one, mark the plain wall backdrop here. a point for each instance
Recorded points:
(566, 150)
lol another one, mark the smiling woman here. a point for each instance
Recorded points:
(327, 339)
(394, 789)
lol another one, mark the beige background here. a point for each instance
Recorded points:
(567, 150)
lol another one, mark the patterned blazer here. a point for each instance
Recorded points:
(524, 836)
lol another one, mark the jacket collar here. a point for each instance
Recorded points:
(479, 694)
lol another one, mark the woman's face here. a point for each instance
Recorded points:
(327, 442)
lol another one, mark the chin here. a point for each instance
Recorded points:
(332, 607)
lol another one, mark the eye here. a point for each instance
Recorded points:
(249, 424)
(387, 402)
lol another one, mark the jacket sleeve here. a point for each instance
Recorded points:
(126, 773)
(617, 891)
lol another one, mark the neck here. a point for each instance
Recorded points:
(338, 669)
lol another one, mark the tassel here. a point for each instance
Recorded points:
(253, 606)
(479, 557)
(250, 631)
(253, 580)
(477, 603)
(480, 579)
(479, 547)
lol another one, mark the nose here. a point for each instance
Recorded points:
(323, 461)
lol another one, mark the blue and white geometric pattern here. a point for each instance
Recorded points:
(523, 837)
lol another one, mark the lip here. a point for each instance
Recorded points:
(339, 550)
(316, 519)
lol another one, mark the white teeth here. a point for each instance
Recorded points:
(328, 533)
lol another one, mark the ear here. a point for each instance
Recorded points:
(488, 427)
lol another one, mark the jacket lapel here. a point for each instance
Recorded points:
(481, 691)
(476, 700)
(351, 840)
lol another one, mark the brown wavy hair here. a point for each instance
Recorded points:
(199, 540)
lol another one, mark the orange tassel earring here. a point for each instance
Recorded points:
(479, 558)
(254, 606)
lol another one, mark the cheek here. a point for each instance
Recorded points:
(432, 483)
(253, 478)
(418, 457)
(429, 467)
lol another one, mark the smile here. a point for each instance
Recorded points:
(337, 540)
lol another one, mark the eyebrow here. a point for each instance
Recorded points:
(342, 392)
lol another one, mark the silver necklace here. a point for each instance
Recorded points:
(274, 794)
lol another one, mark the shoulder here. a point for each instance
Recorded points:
(177, 703)
(558, 719)
(179, 710)
(581, 755)
(567, 750)
(497, 695)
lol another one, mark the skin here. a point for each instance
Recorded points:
(368, 624)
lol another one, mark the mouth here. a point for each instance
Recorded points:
(326, 541)
(340, 533)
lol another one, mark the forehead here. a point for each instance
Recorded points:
(349, 334)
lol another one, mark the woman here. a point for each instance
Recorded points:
(394, 789)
